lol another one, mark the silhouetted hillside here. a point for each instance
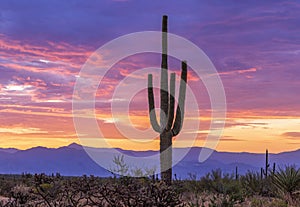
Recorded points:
(73, 160)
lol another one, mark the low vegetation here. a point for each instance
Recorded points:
(280, 188)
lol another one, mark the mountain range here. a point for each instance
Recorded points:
(72, 160)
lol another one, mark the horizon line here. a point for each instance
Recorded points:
(119, 148)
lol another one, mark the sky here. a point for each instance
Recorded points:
(254, 45)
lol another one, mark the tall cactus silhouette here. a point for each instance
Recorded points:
(267, 164)
(168, 127)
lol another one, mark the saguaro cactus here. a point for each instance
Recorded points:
(274, 168)
(267, 164)
(168, 127)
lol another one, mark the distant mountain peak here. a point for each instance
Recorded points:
(9, 150)
(74, 146)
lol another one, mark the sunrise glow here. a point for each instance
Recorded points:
(255, 51)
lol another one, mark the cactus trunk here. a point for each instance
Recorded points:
(168, 127)
(166, 156)
(267, 165)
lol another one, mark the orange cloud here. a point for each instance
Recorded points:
(249, 70)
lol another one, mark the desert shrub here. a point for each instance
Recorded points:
(48, 189)
(21, 194)
(252, 183)
(287, 183)
(227, 185)
(129, 191)
(5, 186)
(93, 191)
(267, 202)
(227, 190)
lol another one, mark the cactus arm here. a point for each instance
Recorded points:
(151, 104)
(172, 102)
(164, 95)
(181, 99)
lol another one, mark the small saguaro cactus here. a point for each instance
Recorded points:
(267, 165)
(274, 168)
(168, 127)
